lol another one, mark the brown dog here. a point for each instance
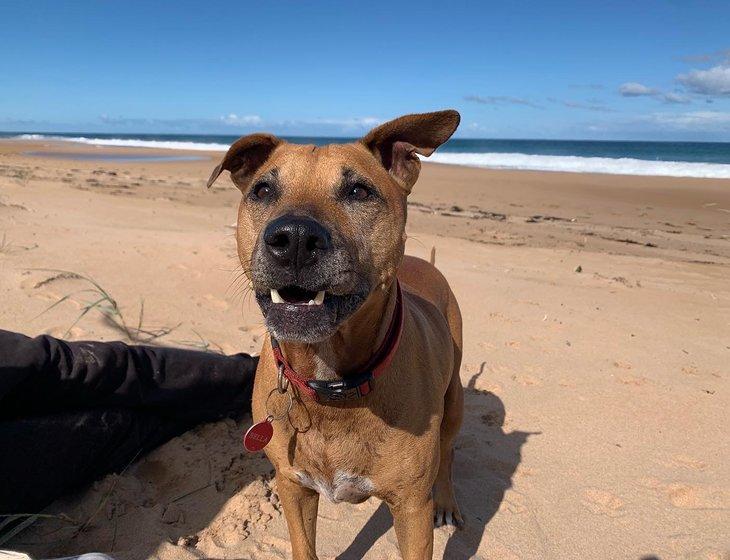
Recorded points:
(360, 378)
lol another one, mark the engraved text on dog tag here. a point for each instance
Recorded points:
(258, 435)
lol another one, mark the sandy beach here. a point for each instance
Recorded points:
(597, 356)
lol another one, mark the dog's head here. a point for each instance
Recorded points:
(320, 229)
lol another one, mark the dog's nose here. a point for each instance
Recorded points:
(296, 241)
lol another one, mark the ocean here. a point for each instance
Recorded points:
(673, 159)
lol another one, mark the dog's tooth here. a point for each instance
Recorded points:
(275, 297)
(319, 300)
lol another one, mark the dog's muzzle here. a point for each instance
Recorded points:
(304, 281)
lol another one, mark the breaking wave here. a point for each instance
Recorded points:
(577, 164)
(492, 160)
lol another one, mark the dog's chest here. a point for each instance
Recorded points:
(341, 487)
(335, 462)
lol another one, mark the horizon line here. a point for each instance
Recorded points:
(285, 136)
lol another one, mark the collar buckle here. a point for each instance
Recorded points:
(343, 389)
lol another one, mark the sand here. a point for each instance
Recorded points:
(597, 357)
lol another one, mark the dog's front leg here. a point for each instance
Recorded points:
(300, 510)
(413, 522)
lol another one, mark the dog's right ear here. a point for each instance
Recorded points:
(244, 157)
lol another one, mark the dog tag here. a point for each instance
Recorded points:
(258, 435)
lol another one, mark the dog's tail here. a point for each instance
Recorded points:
(432, 260)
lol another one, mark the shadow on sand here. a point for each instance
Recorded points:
(486, 459)
(480, 485)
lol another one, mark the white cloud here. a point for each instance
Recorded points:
(635, 89)
(233, 122)
(714, 81)
(353, 122)
(501, 100)
(588, 105)
(245, 120)
(598, 108)
(475, 127)
(693, 120)
(677, 98)
(595, 87)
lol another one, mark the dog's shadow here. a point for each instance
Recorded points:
(486, 458)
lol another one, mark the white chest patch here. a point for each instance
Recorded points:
(344, 487)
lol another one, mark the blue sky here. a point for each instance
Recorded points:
(619, 70)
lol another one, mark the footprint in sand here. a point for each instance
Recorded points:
(602, 502)
(687, 496)
(689, 463)
(514, 503)
(632, 380)
(692, 497)
(622, 365)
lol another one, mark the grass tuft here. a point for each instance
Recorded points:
(101, 301)
(14, 523)
(201, 344)
(8, 248)
(5, 245)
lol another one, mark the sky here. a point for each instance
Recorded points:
(638, 70)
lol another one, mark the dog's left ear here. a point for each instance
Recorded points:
(244, 157)
(396, 144)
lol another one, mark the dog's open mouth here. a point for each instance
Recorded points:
(294, 295)
(299, 314)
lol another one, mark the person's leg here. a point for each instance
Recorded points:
(45, 374)
(73, 411)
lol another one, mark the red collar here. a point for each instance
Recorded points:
(352, 386)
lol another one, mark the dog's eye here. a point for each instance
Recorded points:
(358, 191)
(263, 191)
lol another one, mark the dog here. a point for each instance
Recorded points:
(357, 391)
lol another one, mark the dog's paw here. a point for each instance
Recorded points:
(445, 509)
(449, 515)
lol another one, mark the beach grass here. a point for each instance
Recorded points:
(100, 300)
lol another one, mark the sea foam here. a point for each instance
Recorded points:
(132, 143)
(492, 160)
(576, 164)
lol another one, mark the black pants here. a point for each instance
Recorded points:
(73, 411)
